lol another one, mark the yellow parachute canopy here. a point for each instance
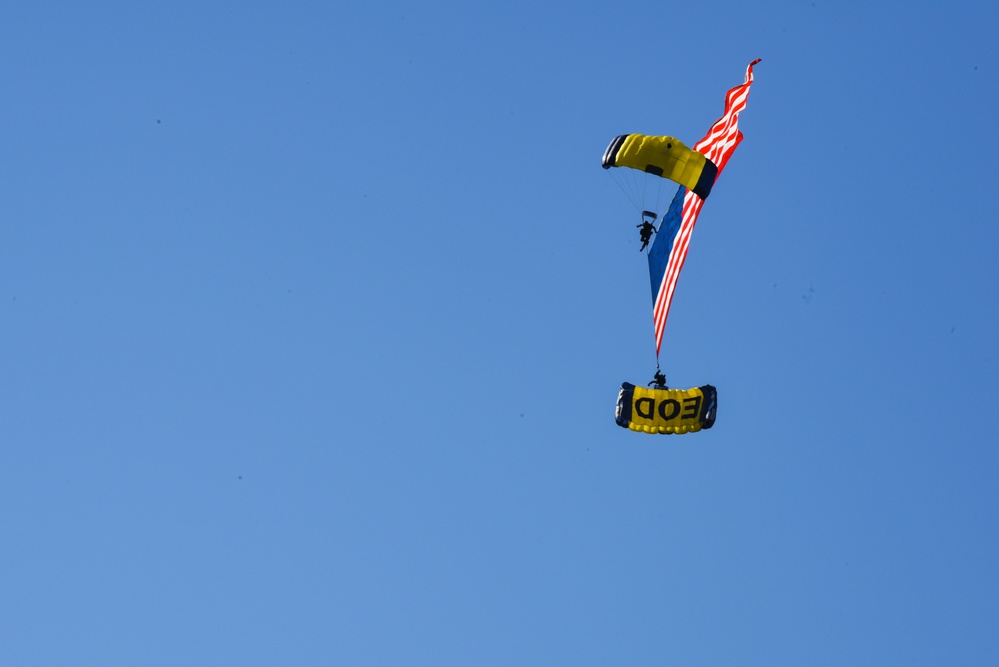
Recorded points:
(666, 410)
(663, 156)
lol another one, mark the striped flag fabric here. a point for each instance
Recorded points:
(668, 252)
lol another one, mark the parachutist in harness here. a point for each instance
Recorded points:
(659, 380)
(647, 229)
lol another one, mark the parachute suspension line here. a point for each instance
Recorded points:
(635, 201)
(643, 189)
(644, 180)
(659, 198)
(653, 197)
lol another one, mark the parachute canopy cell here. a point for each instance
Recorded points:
(666, 410)
(666, 157)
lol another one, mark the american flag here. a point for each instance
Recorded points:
(669, 251)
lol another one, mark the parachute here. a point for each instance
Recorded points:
(666, 410)
(663, 410)
(666, 157)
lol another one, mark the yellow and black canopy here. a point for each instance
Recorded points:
(663, 156)
(666, 410)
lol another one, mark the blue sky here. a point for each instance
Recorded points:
(314, 317)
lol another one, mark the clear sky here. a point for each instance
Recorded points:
(313, 317)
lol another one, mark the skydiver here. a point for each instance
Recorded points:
(659, 380)
(647, 229)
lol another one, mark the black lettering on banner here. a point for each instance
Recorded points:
(662, 409)
(691, 411)
(648, 412)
